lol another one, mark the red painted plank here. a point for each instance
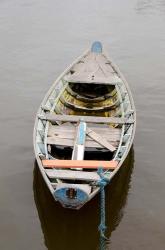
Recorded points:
(79, 164)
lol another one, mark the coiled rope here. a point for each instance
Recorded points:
(102, 227)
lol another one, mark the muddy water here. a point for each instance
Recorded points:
(38, 39)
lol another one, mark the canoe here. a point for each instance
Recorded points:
(84, 128)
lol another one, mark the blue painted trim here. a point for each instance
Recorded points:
(81, 133)
(96, 47)
(61, 196)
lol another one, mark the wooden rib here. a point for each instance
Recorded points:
(83, 98)
(85, 164)
(81, 108)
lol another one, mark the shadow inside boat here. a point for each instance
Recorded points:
(66, 229)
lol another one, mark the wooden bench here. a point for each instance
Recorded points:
(64, 135)
(91, 119)
(72, 175)
(84, 164)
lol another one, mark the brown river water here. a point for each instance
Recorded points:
(38, 39)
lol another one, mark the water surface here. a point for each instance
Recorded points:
(38, 40)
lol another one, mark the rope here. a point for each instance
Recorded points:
(102, 183)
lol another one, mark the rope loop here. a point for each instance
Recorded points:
(103, 180)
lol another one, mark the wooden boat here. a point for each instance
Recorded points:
(87, 116)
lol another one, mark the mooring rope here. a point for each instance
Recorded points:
(102, 227)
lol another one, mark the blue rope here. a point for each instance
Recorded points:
(102, 183)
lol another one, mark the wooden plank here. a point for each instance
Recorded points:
(64, 135)
(71, 129)
(111, 80)
(102, 60)
(85, 164)
(72, 175)
(100, 139)
(70, 142)
(69, 133)
(93, 119)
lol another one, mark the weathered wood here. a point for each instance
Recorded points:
(64, 132)
(71, 135)
(113, 80)
(64, 135)
(70, 142)
(95, 68)
(100, 139)
(93, 119)
(105, 64)
(63, 128)
(72, 175)
(79, 164)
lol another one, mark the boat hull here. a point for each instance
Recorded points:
(116, 136)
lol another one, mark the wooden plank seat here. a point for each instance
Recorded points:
(98, 138)
(52, 117)
(70, 143)
(72, 175)
(68, 131)
(84, 164)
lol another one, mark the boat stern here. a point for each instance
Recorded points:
(72, 196)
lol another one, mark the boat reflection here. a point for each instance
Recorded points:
(65, 229)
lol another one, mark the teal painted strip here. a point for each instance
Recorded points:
(96, 47)
(81, 134)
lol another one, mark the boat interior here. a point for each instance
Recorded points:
(81, 99)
